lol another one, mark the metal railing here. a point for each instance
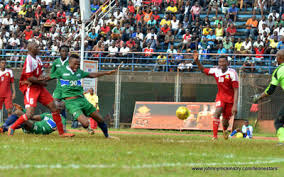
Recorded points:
(145, 62)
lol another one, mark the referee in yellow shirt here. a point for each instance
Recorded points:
(94, 100)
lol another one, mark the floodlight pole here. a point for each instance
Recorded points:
(82, 44)
(117, 100)
(177, 87)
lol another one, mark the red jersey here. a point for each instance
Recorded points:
(6, 78)
(32, 67)
(226, 82)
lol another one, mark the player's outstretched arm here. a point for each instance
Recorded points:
(36, 118)
(99, 74)
(195, 57)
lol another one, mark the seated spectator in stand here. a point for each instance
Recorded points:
(130, 43)
(186, 40)
(113, 51)
(228, 45)
(246, 46)
(264, 28)
(238, 46)
(280, 45)
(137, 4)
(175, 25)
(221, 49)
(251, 26)
(203, 48)
(105, 30)
(92, 37)
(219, 32)
(195, 11)
(258, 43)
(148, 53)
(169, 39)
(165, 21)
(206, 30)
(13, 42)
(163, 32)
(279, 29)
(273, 43)
(185, 66)
(28, 33)
(196, 29)
(248, 65)
(213, 5)
(139, 17)
(115, 32)
(178, 58)
(147, 15)
(156, 16)
(95, 6)
(152, 23)
(233, 11)
(112, 22)
(274, 15)
(259, 51)
(161, 63)
(211, 37)
(231, 30)
(219, 21)
(172, 9)
(124, 52)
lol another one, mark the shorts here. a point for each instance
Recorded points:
(40, 128)
(7, 101)
(37, 94)
(79, 106)
(227, 109)
(57, 92)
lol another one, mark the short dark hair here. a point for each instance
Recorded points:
(74, 55)
(226, 58)
(64, 46)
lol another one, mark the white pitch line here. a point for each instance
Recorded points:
(142, 166)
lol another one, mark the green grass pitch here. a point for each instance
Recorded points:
(137, 155)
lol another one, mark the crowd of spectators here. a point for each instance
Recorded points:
(149, 26)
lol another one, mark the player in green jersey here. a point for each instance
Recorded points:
(39, 124)
(72, 92)
(59, 62)
(276, 80)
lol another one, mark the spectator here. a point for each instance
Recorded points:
(251, 26)
(259, 51)
(233, 11)
(148, 53)
(213, 5)
(206, 30)
(258, 43)
(246, 46)
(172, 9)
(280, 45)
(231, 30)
(161, 63)
(175, 25)
(238, 46)
(124, 52)
(169, 39)
(28, 33)
(219, 32)
(113, 50)
(228, 45)
(195, 11)
(273, 43)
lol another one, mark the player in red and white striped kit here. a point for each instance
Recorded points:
(6, 83)
(227, 96)
(32, 85)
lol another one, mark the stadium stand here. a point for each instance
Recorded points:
(150, 27)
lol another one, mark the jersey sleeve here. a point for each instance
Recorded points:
(28, 67)
(275, 81)
(209, 71)
(235, 79)
(43, 115)
(84, 74)
(53, 67)
(11, 76)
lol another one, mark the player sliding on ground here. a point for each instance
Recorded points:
(277, 79)
(72, 92)
(33, 88)
(39, 124)
(227, 96)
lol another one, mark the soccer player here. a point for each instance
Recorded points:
(32, 86)
(277, 79)
(42, 124)
(6, 81)
(72, 92)
(227, 96)
(60, 62)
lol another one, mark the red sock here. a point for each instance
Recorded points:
(216, 122)
(57, 119)
(93, 123)
(19, 122)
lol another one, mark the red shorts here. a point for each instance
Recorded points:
(227, 108)
(7, 101)
(37, 94)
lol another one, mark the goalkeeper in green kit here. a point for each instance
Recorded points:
(72, 92)
(277, 79)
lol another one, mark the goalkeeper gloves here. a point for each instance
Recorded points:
(256, 98)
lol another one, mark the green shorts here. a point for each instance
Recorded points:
(57, 92)
(41, 128)
(79, 106)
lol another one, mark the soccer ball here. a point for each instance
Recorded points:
(239, 135)
(182, 113)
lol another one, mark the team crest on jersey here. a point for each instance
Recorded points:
(227, 77)
(7, 74)
(78, 75)
(58, 65)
